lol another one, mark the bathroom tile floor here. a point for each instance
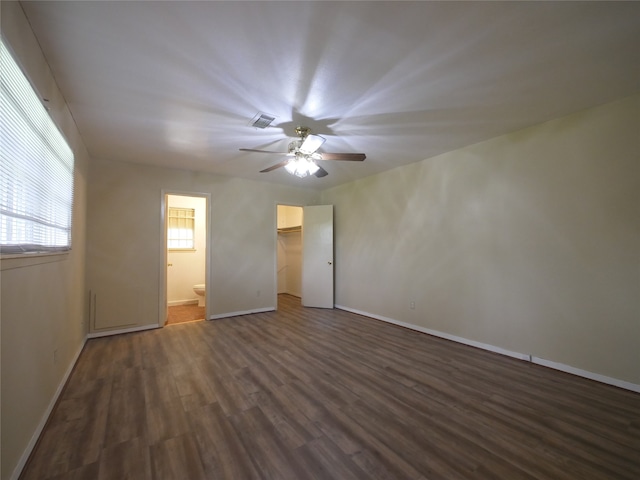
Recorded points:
(184, 313)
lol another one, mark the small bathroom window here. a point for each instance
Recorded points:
(181, 228)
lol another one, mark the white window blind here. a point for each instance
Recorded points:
(181, 228)
(36, 169)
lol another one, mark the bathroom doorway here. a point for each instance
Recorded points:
(186, 258)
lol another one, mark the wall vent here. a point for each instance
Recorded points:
(262, 120)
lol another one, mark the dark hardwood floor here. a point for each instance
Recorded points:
(307, 393)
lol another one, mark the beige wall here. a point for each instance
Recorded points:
(125, 276)
(528, 242)
(42, 301)
(187, 268)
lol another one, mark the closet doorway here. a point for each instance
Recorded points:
(289, 250)
(304, 257)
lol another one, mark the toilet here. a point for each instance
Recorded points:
(200, 290)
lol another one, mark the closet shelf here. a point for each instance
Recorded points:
(290, 229)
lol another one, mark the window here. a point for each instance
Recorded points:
(36, 169)
(181, 228)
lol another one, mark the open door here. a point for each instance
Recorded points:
(317, 256)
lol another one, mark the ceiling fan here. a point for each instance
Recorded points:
(303, 153)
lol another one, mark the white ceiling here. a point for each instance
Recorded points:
(176, 83)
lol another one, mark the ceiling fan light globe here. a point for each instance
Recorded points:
(291, 167)
(307, 165)
(301, 166)
(301, 170)
(312, 168)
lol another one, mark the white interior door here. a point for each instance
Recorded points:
(317, 256)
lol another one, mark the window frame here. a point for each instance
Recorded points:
(192, 248)
(52, 153)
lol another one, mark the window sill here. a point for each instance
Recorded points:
(22, 260)
(181, 249)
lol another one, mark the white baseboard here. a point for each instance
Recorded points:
(218, 316)
(586, 374)
(492, 348)
(122, 330)
(43, 421)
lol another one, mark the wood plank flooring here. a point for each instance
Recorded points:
(325, 394)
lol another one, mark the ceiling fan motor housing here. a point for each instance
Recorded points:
(302, 132)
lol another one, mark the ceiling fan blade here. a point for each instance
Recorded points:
(352, 157)
(273, 167)
(260, 151)
(311, 143)
(321, 172)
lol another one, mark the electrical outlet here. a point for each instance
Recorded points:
(55, 356)
(412, 305)
(257, 293)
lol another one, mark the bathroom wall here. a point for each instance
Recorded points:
(42, 299)
(186, 268)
